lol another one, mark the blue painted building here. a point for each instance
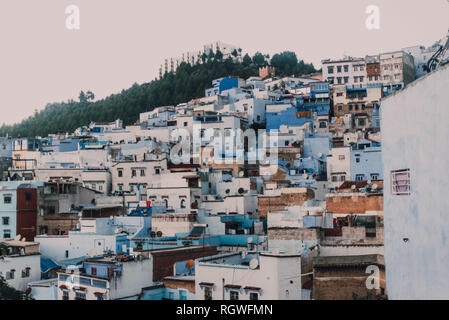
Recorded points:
(222, 84)
(317, 101)
(289, 117)
(366, 161)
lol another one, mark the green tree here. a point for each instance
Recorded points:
(218, 55)
(259, 59)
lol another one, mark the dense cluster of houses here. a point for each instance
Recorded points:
(265, 188)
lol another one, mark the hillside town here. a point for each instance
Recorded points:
(265, 188)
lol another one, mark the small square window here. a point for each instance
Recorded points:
(253, 296)
(400, 182)
(7, 234)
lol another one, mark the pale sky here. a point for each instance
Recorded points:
(122, 42)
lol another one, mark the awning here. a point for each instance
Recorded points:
(232, 286)
(79, 289)
(63, 287)
(207, 284)
(249, 288)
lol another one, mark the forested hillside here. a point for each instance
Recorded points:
(187, 83)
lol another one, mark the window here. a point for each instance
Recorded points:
(334, 178)
(67, 253)
(346, 79)
(10, 274)
(339, 80)
(400, 182)
(357, 160)
(5, 221)
(359, 177)
(120, 172)
(142, 172)
(207, 293)
(341, 157)
(26, 272)
(182, 295)
(94, 271)
(346, 68)
(28, 196)
(253, 296)
(330, 69)
(183, 203)
(100, 297)
(157, 171)
(6, 234)
(340, 107)
(65, 295)
(7, 199)
(120, 187)
(80, 295)
(338, 69)
(342, 178)
(234, 295)
(362, 122)
(133, 173)
(374, 176)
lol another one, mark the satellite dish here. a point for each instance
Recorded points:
(241, 174)
(319, 154)
(374, 186)
(254, 263)
(369, 181)
(298, 156)
(249, 240)
(153, 234)
(17, 238)
(159, 234)
(353, 187)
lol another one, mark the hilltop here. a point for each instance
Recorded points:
(186, 83)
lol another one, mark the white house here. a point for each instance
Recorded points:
(20, 263)
(248, 276)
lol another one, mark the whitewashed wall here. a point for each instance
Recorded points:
(415, 136)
